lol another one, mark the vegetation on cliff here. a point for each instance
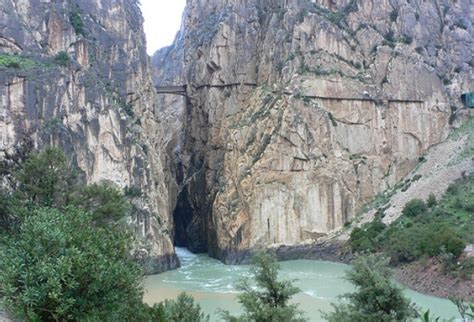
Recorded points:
(64, 253)
(436, 228)
(65, 250)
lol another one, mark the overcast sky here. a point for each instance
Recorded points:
(162, 22)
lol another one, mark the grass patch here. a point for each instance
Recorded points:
(17, 62)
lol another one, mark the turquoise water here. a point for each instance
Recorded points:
(212, 285)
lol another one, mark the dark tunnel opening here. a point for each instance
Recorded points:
(182, 217)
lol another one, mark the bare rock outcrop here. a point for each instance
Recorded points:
(299, 112)
(75, 74)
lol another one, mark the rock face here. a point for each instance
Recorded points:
(75, 74)
(299, 112)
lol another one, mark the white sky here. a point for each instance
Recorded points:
(162, 22)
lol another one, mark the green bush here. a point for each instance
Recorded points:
(452, 241)
(394, 15)
(435, 236)
(76, 22)
(60, 266)
(365, 238)
(182, 309)
(132, 191)
(16, 61)
(65, 254)
(269, 300)
(376, 297)
(406, 244)
(62, 59)
(431, 202)
(402, 244)
(414, 208)
(45, 179)
(103, 200)
(465, 203)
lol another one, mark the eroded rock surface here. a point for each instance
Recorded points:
(79, 79)
(299, 112)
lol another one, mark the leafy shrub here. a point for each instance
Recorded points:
(414, 208)
(431, 202)
(103, 200)
(269, 300)
(401, 244)
(76, 22)
(452, 241)
(376, 297)
(17, 62)
(132, 191)
(394, 15)
(364, 238)
(409, 243)
(183, 309)
(465, 203)
(71, 263)
(406, 39)
(45, 179)
(60, 266)
(62, 59)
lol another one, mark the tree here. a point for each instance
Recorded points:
(414, 208)
(103, 200)
(376, 297)
(183, 309)
(45, 179)
(30, 180)
(431, 201)
(269, 301)
(365, 238)
(60, 266)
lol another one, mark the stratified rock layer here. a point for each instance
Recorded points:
(299, 112)
(80, 80)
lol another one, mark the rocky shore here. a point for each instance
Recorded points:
(426, 277)
(429, 279)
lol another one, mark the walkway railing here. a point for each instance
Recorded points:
(182, 90)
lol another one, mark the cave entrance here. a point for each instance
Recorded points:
(182, 217)
(189, 227)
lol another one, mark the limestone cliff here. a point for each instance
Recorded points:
(75, 74)
(299, 112)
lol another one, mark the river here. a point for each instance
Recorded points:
(212, 285)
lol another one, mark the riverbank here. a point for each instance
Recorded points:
(428, 278)
(212, 284)
(424, 277)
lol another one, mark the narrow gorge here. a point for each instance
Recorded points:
(267, 123)
(300, 112)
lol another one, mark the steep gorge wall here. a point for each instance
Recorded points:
(339, 99)
(97, 102)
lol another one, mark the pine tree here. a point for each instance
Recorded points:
(376, 298)
(270, 300)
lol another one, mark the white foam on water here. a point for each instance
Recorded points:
(320, 282)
